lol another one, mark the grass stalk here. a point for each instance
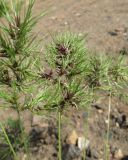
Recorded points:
(108, 127)
(59, 136)
(8, 141)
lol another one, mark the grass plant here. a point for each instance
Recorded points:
(17, 46)
(10, 149)
(64, 75)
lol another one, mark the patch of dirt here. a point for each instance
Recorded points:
(104, 21)
(89, 123)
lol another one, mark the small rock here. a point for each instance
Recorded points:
(35, 149)
(53, 18)
(118, 154)
(22, 156)
(121, 30)
(117, 125)
(112, 33)
(106, 121)
(122, 121)
(72, 138)
(70, 152)
(100, 111)
(95, 154)
(92, 153)
(82, 143)
(80, 34)
(117, 31)
(65, 23)
(78, 14)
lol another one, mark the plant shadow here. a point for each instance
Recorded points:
(125, 158)
(5, 153)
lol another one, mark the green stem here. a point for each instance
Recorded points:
(8, 141)
(108, 127)
(59, 135)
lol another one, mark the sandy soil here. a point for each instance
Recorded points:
(105, 22)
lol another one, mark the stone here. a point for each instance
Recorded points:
(121, 30)
(82, 143)
(70, 152)
(118, 154)
(122, 121)
(80, 34)
(34, 149)
(117, 125)
(72, 138)
(22, 156)
(65, 23)
(112, 33)
(100, 111)
(78, 14)
(107, 121)
(92, 153)
(53, 18)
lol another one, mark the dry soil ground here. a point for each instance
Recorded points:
(104, 21)
(106, 24)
